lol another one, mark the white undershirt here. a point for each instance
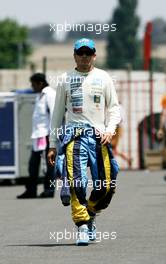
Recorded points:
(89, 98)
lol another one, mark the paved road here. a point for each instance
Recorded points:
(137, 215)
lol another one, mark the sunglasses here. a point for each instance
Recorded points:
(86, 52)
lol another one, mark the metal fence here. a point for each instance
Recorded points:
(140, 101)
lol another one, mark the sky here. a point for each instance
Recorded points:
(35, 12)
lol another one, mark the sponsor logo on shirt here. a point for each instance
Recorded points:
(76, 95)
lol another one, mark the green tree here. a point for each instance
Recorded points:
(122, 44)
(14, 47)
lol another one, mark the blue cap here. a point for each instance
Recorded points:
(84, 42)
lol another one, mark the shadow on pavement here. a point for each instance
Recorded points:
(45, 245)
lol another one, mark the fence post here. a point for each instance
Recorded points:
(152, 123)
(44, 65)
(129, 69)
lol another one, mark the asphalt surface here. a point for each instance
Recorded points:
(137, 218)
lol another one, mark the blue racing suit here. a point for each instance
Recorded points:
(82, 147)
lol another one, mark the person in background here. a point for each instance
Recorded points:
(41, 118)
(161, 134)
